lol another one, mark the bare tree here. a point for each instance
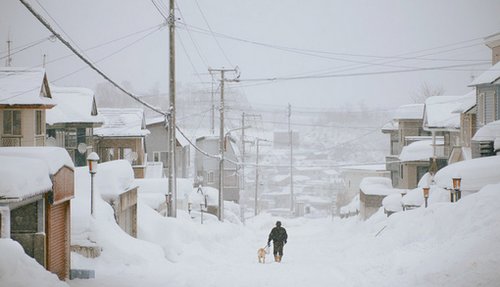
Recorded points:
(425, 91)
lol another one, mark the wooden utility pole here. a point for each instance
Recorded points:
(172, 184)
(8, 61)
(290, 136)
(220, 213)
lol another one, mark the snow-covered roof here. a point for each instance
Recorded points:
(409, 112)
(368, 167)
(392, 125)
(23, 86)
(440, 111)
(488, 132)
(475, 173)
(23, 177)
(469, 101)
(122, 123)
(392, 202)
(74, 105)
(378, 186)
(53, 157)
(420, 150)
(490, 76)
(155, 120)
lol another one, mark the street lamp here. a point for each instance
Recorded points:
(92, 160)
(426, 195)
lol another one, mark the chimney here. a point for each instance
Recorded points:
(493, 42)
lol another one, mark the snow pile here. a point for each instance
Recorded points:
(114, 178)
(475, 173)
(352, 207)
(392, 202)
(449, 244)
(18, 269)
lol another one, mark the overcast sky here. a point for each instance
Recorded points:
(321, 53)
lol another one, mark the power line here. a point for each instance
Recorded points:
(69, 46)
(212, 33)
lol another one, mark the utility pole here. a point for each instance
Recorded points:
(44, 60)
(243, 116)
(220, 213)
(8, 61)
(257, 140)
(212, 118)
(290, 137)
(172, 184)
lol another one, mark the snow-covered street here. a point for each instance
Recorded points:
(423, 247)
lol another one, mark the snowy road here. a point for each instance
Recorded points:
(423, 247)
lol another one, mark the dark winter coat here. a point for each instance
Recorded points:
(278, 234)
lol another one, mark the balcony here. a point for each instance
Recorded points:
(11, 140)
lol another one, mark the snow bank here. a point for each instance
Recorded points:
(352, 207)
(392, 202)
(18, 269)
(475, 173)
(452, 244)
(113, 178)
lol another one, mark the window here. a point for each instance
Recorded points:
(128, 154)
(12, 122)
(38, 123)
(161, 156)
(210, 177)
(70, 138)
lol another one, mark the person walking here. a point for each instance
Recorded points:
(279, 237)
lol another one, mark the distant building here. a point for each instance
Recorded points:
(122, 136)
(281, 139)
(207, 168)
(158, 147)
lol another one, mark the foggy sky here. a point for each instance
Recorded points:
(275, 39)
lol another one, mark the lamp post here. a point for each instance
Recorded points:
(456, 188)
(92, 160)
(426, 195)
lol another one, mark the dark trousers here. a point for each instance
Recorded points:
(278, 248)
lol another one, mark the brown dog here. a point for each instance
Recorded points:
(261, 255)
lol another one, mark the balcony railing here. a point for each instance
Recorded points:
(11, 141)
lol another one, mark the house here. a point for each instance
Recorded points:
(122, 136)
(158, 147)
(24, 98)
(415, 161)
(207, 168)
(70, 124)
(487, 98)
(372, 191)
(406, 124)
(442, 120)
(352, 176)
(467, 129)
(35, 209)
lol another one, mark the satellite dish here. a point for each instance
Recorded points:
(50, 141)
(82, 148)
(134, 155)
